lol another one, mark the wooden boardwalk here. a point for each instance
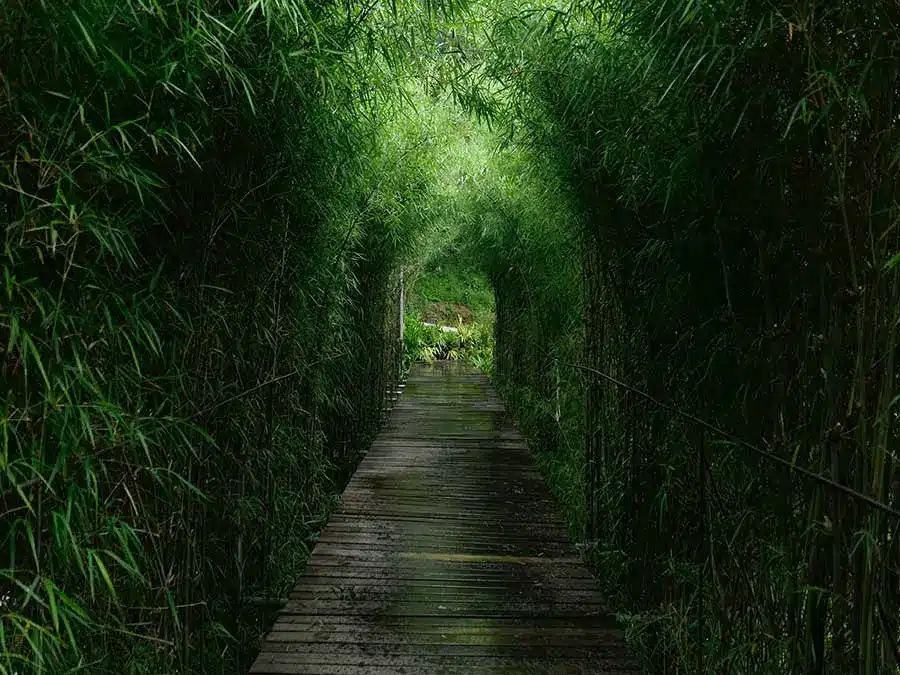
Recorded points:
(445, 556)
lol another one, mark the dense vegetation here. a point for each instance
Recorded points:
(449, 302)
(449, 310)
(707, 217)
(685, 209)
(205, 207)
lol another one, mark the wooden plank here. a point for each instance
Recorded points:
(379, 657)
(445, 556)
(363, 560)
(355, 584)
(437, 647)
(505, 605)
(599, 625)
(306, 638)
(437, 592)
(472, 667)
(513, 573)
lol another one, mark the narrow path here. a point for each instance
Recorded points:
(446, 556)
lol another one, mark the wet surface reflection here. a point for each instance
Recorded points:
(446, 555)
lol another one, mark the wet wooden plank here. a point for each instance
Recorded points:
(455, 667)
(445, 556)
(378, 657)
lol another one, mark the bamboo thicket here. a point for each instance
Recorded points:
(733, 170)
(205, 208)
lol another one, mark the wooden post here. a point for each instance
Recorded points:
(701, 470)
(402, 301)
(400, 342)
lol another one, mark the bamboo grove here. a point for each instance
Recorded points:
(687, 210)
(205, 206)
(716, 241)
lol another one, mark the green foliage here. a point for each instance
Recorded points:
(468, 342)
(449, 281)
(446, 269)
(706, 208)
(445, 283)
(205, 208)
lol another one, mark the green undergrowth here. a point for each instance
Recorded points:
(467, 342)
(450, 316)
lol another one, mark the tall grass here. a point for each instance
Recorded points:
(205, 206)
